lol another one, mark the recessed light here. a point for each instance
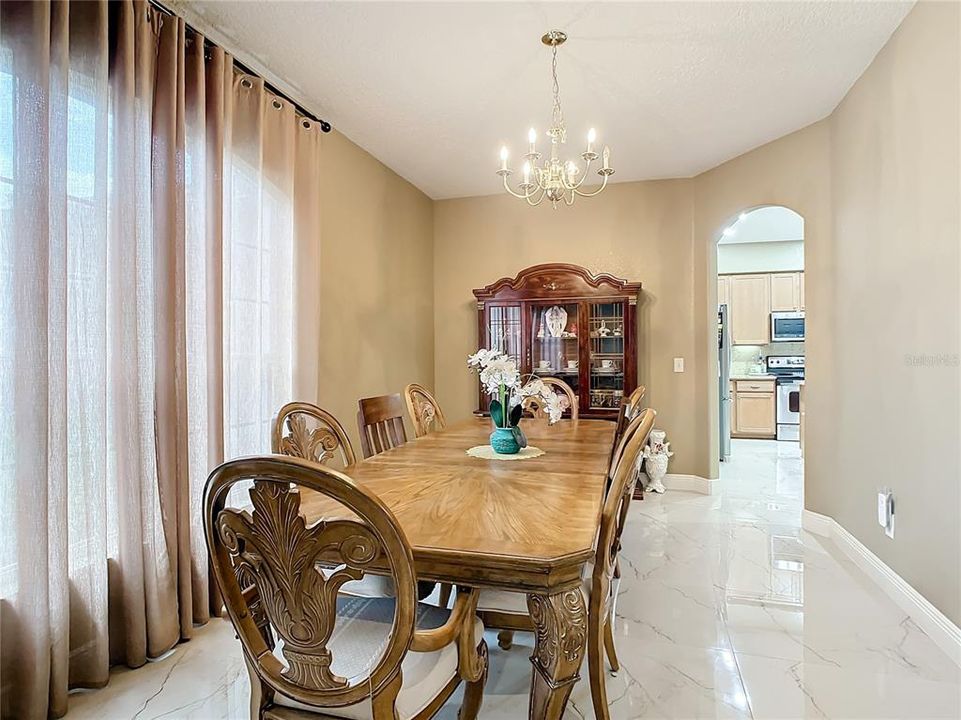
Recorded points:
(728, 231)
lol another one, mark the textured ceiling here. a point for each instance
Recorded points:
(434, 89)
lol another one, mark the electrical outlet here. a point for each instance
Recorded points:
(886, 512)
(679, 365)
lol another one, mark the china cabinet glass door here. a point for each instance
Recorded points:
(504, 330)
(554, 342)
(606, 378)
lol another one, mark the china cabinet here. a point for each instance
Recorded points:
(562, 321)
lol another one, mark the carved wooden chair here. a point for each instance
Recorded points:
(508, 611)
(425, 412)
(628, 410)
(309, 432)
(380, 421)
(532, 405)
(336, 656)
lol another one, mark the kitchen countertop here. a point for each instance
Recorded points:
(762, 376)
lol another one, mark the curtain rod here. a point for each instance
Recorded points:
(324, 125)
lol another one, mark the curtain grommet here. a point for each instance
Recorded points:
(277, 104)
(246, 83)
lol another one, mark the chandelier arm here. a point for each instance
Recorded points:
(571, 195)
(537, 202)
(595, 192)
(517, 195)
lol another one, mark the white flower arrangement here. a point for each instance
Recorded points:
(502, 381)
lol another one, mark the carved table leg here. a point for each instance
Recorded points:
(560, 634)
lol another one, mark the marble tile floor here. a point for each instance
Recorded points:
(727, 609)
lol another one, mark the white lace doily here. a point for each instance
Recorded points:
(486, 452)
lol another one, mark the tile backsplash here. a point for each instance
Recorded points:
(744, 357)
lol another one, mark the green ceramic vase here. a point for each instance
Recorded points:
(504, 442)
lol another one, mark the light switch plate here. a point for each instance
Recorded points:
(679, 364)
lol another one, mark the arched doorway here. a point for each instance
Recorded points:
(761, 350)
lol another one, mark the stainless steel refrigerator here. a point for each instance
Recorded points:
(724, 381)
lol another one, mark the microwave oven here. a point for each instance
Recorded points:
(787, 326)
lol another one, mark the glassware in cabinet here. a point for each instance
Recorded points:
(607, 354)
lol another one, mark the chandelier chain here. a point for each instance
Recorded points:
(557, 114)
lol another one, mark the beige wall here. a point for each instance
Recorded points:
(877, 184)
(793, 171)
(637, 231)
(375, 284)
(897, 241)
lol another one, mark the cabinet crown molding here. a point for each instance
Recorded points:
(556, 280)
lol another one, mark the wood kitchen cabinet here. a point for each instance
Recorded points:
(753, 412)
(787, 291)
(724, 291)
(752, 297)
(750, 309)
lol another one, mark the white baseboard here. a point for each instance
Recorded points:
(691, 483)
(817, 524)
(945, 634)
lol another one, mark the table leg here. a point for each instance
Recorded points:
(560, 634)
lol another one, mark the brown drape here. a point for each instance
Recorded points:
(137, 169)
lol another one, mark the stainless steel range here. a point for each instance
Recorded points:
(788, 371)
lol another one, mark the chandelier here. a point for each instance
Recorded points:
(555, 179)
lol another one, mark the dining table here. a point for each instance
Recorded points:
(523, 525)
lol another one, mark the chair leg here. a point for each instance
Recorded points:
(444, 595)
(474, 691)
(595, 666)
(609, 645)
(505, 639)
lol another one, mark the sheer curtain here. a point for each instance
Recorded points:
(152, 205)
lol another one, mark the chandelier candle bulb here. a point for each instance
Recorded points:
(527, 173)
(504, 159)
(607, 158)
(591, 137)
(532, 140)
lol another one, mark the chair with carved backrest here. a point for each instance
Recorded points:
(425, 412)
(304, 430)
(380, 421)
(604, 580)
(532, 405)
(309, 432)
(507, 611)
(629, 408)
(336, 656)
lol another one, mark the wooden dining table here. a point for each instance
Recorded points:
(526, 526)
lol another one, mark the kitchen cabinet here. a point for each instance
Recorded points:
(785, 291)
(753, 411)
(752, 297)
(750, 309)
(724, 291)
